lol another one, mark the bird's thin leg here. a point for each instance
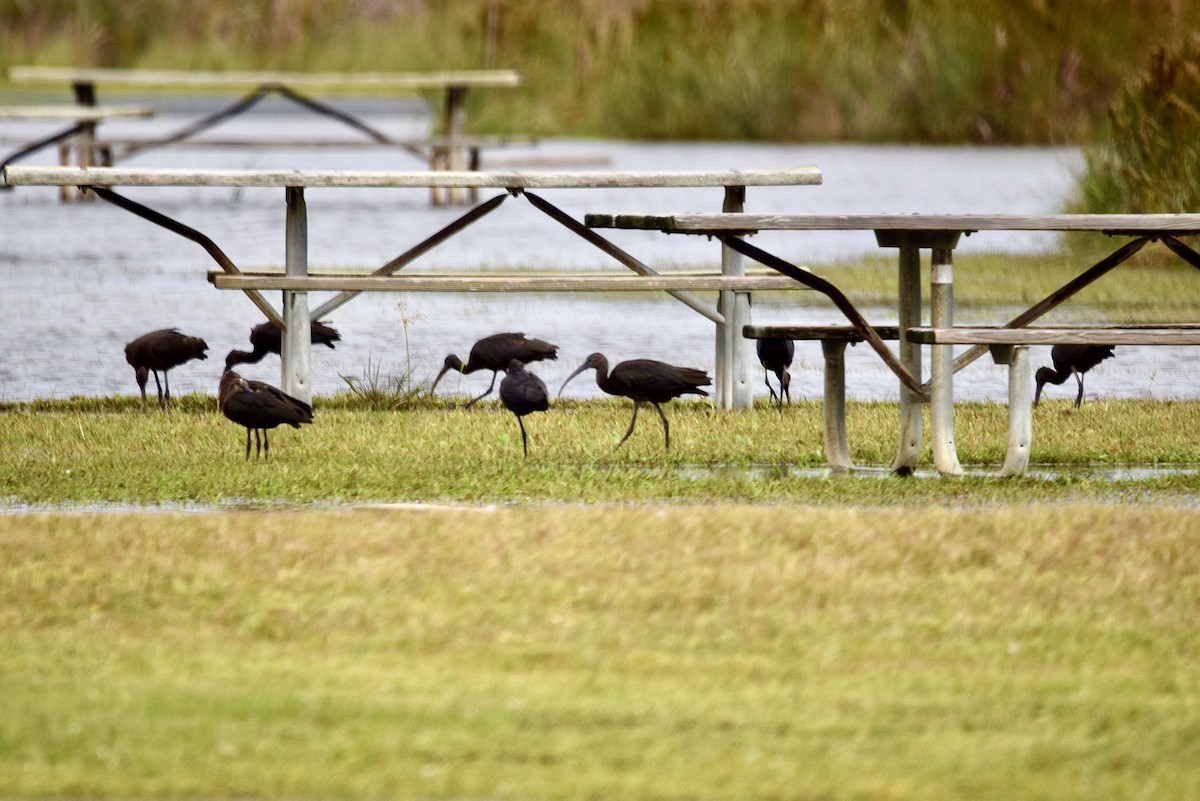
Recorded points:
(1079, 397)
(524, 441)
(666, 426)
(257, 445)
(629, 430)
(247, 443)
(157, 384)
(491, 386)
(767, 381)
(266, 446)
(166, 390)
(143, 389)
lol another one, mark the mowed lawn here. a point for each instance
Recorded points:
(549, 651)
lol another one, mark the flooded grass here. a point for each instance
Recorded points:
(91, 451)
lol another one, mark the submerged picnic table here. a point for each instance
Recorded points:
(731, 313)
(940, 234)
(448, 151)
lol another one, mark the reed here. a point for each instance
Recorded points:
(787, 70)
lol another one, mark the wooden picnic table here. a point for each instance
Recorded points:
(730, 314)
(453, 155)
(939, 233)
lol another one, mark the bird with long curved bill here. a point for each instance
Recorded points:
(776, 355)
(644, 381)
(259, 407)
(159, 351)
(267, 338)
(494, 353)
(522, 392)
(1070, 360)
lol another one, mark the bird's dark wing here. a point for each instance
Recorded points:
(658, 381)
(523, 393)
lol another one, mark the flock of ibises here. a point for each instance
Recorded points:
(259, 407)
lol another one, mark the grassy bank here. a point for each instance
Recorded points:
(932, 71)
(687, 652)
(432, 453)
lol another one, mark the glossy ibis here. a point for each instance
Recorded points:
(644, 381)
(1070, 360)
(160, 351)
(267, 338)
(775, 355)
(494, 353)
(260, 407)
(522, 392)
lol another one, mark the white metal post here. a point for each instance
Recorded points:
(733, 375)
(941, 400)
(837, 449)
(908, 452)
(296, 351)
(1020, 408)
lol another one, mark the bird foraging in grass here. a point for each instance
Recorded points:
(644, 381)
(259, 407)
(494, 353)
(522, 392)
(267, 338)
(160, 351)
(1070, 360)
(775, 355)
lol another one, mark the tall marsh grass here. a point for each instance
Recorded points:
(788, 70)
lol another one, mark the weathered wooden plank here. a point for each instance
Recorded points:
(17, 175)
(1184, 334)
(541, 283)
(222, 79)
(837, 333)
(964, 223)
(340, 144)
(73, 113)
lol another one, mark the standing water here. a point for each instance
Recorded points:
(82, 279)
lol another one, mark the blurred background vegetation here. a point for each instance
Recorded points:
(1118, 77)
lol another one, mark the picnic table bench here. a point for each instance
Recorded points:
(448, 151)
(731, 312)
(939, 233)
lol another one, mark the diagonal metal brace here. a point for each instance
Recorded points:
(177, 227)
(410, 255)
(573, 225)
(202, 124)
(1058, 296)
(1182, 251)
(34, 147)
(861, 326)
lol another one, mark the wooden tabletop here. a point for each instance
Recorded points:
(17, 175)
(230, 79)
(733, 223)
(73, 113)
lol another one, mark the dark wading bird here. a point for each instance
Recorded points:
(1070, 360)
(260, 407)
(775, 355)
(160, 351)
(644, 381)
(494, 353)
(267, 338)
(522, 392)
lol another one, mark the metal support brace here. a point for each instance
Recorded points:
(941, 395)
(837, 450)
(1020, 407)
(296, 352)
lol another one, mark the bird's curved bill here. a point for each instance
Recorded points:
(572, 375)
(445, 369)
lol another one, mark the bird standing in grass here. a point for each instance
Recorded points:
(644, 381)
(1070, 360)
(267, 338)
(259, 407)
(495, 353)
(775, 355)
(160, 351)
(522, 392)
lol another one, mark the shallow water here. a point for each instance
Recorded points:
(82, 279)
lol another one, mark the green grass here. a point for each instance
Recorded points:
(58, 454)
(723, 652)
